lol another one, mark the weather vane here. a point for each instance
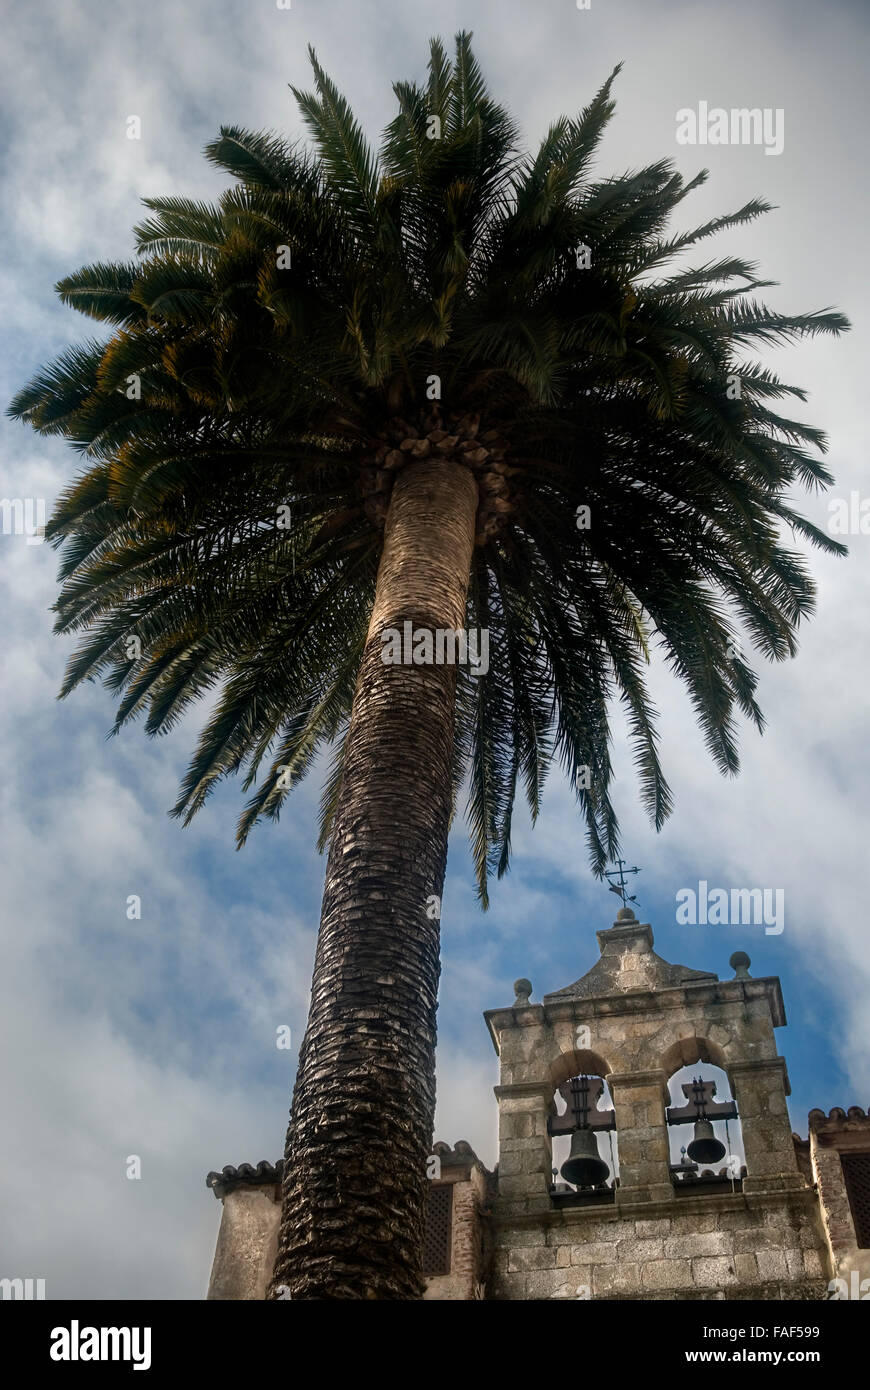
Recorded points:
(621, 887)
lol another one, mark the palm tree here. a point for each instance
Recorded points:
(449, 385)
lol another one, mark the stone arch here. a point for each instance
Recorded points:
(580, 1061)
(577, 1061)
(686, 1051)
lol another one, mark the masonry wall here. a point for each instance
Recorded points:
(247, 1240)
(642, 1019)
(247, 1243)
(711, 1246)
(832, 1136)
(466, 1279)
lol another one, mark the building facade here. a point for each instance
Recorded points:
(745, 1210)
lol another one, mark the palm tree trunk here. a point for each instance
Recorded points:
(364, 1100)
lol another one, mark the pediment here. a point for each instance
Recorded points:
(628, 962)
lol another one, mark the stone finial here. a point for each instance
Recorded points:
(522, 989)
(740, 963)
(625, 914)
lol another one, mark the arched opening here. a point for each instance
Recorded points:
(704, 1132)
(582, 1129)
(575, 1062)
(693, 1049)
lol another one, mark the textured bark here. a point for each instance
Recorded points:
(364, 1100)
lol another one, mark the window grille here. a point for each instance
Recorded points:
(438, 1236)
(856, 1171)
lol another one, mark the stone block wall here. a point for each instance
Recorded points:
(831, 1136)
(469, 1253)
(247, 1242)
(636, 1019)
(714, 1246)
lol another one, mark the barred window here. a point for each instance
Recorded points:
(856, 1171)
(438, 1236)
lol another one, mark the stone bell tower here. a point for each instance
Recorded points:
(656, 1229)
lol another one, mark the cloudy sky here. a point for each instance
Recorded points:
(156, 1037)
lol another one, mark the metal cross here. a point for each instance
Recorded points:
(701, 1105)
(621, 887)
(581, 1094)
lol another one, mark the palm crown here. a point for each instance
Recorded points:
(278, 357)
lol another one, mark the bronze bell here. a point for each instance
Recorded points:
(584, 1166)
(705, 1147)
